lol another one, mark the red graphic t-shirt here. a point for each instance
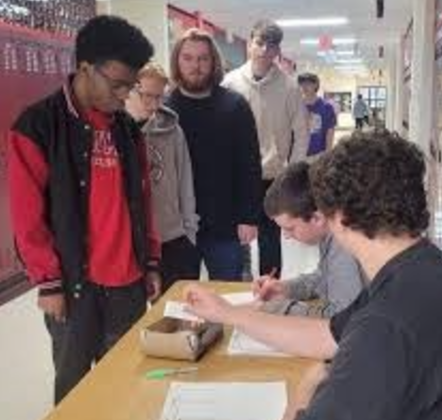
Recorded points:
(112, 259)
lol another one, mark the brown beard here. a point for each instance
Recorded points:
(192, 87)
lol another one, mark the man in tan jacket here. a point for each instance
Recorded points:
(281, 119)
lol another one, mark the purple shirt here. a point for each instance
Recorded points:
(322, 118)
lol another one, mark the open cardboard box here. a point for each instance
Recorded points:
(177, 339)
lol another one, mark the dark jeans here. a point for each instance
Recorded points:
(95, 322)
(247, 274)
(179, 261)
(269, 242)
(359, 122)
(222, 257)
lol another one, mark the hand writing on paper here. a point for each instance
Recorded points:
(268, 287)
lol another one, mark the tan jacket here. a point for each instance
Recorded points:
(280, 115)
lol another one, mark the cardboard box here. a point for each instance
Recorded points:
(176, 339)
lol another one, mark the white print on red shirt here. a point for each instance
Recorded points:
(104, 152)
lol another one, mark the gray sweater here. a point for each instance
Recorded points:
(171, 177)
(337, 281)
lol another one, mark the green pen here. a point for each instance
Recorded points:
(161, 373)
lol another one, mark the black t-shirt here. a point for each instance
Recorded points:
(223, 145)
(389, 362)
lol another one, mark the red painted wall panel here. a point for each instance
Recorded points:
(32, 64)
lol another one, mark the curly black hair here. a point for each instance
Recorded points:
(376, 180)
(105, 38)
(291, 193)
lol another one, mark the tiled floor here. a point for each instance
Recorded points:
(25, 360)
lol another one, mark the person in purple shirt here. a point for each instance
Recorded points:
(322, 117)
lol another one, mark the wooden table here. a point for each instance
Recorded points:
(116, 388)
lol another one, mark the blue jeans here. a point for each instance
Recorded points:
(222, 257)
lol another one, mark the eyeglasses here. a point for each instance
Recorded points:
(146, 96)
(116, 86)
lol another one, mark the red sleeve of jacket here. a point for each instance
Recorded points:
(153, 238)
(28, 177)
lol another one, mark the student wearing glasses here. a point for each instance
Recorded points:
(80, 201)
(171, 175)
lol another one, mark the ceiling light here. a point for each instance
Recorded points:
(351, 69)
(336, 41)
(345, 53)
(344, 41)
(309, 41)
(302, 23)
(349, 61)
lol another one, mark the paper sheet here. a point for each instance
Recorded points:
(177, 310)
(242, 344)
(225, 401)
(239, 298)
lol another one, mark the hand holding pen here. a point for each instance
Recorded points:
(268, 287)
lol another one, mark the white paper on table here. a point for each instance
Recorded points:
(225, 401)
(239, 298)
(177, 310)
(242, 344)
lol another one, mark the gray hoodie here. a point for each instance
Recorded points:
(171, 177)
(337, 282)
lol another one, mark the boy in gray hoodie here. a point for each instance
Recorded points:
(171, 175)
(338, 278)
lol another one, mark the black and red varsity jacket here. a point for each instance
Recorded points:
(49, 178)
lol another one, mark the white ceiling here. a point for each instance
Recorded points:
(238, 16)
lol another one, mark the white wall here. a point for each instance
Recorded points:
(149, 16)
(422, 74)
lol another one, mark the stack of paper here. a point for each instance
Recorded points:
(239, 298)
(225, 401)
(177, 310)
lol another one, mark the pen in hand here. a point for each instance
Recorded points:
(268, 286)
